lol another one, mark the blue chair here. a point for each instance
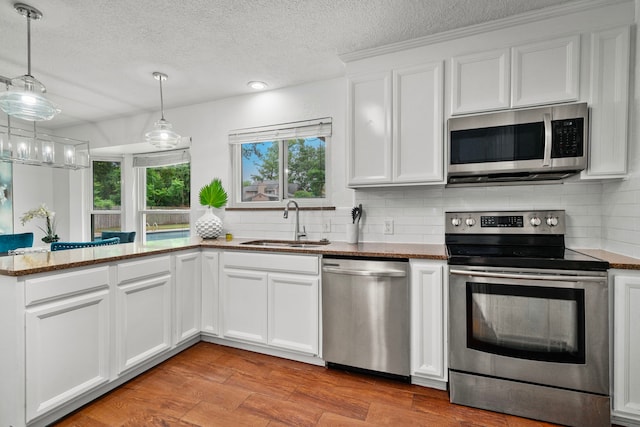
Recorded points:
(61, 246)
(10, 242)
(125, 236)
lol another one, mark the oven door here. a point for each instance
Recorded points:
(541, 326)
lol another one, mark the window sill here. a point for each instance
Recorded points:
(274, 208)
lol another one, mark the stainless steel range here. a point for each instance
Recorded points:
(528, 319)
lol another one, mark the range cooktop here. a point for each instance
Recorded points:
(519, 239)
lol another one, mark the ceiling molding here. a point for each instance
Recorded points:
(523, 18)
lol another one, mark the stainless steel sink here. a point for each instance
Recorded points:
(287, 243)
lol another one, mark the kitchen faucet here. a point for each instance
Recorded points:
(296, 231)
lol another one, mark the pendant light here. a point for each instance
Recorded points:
(25, 100)
(162, 137)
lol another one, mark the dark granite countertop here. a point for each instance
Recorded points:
(40, 262)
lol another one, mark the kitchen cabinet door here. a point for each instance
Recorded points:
(395, 134)
(428, 324)
(545, 72)
(188, 297)
(293, 312)
(143, 311)
(609, 104)
(210, 286)
(67, 350)
(480, 82)
(418, 124)
(244, 307)
(369, 129)
(626, 342)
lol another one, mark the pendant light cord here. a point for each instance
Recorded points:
(28, 15)
(161, 99)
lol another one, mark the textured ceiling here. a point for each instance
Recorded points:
(96, 56)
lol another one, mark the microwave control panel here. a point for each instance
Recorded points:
(567, 136)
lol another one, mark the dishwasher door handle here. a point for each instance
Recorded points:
(370, 273)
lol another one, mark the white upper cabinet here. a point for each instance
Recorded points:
(545, 72)
(526, 75)
(370, 129)
(396, 126)
(480, 81)
(418, 124)
(609, 103)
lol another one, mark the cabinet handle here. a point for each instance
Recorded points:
(547, 140)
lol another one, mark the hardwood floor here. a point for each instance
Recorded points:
(212, 385)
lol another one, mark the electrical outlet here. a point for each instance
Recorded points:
(326, 226)
(388, 226)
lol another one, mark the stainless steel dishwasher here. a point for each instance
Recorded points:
(365, 315)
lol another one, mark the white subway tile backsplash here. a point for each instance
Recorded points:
(598, 215)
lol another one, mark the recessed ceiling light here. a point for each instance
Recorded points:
(257, 85)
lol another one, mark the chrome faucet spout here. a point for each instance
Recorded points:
(296, 231)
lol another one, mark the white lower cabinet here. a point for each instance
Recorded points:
(66, 337)
(429, 323)
(626, 346)
(210, 286)
(271, 299)
(293, 312)
(245, 305)
(188, 296)
(143, 311)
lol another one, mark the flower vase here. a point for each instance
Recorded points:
(50, 239)
(209, 226)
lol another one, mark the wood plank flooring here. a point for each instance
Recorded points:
(212, 385)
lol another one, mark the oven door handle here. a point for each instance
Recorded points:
(528, 276)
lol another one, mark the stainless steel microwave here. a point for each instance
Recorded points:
(534, 144)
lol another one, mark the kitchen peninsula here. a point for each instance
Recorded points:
(78, 323)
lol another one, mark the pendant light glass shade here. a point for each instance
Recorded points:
(162, 136)
(25, 99)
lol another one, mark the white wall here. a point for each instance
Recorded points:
(32, 186)
(209, 124)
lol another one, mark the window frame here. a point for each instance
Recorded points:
(92, 210)
(141, 199)
(235, 149)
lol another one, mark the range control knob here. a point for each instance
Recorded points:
(535, 221)
(470, 222)
(455, 222)
(552, 221)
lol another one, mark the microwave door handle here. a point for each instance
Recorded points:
(547, 140)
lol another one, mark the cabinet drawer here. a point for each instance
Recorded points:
(54, 286)
(305, 264)
(144, 268)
